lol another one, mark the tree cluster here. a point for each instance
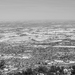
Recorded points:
(42, 70)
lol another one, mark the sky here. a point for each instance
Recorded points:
(20, 10)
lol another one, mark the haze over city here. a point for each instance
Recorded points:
(20, 10)
(37, 37)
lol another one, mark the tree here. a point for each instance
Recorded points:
(2, 64)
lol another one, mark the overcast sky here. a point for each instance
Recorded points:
(14, 10)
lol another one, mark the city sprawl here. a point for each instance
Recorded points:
(35, 44)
